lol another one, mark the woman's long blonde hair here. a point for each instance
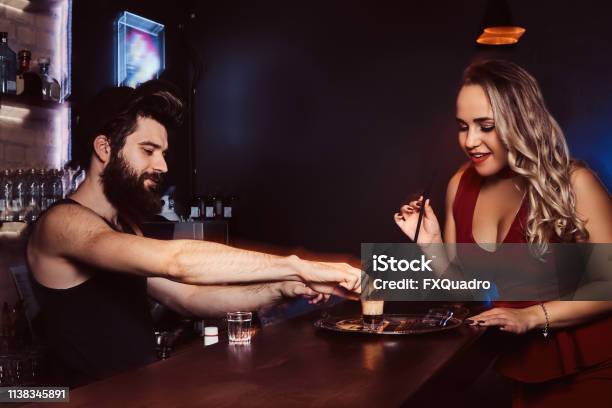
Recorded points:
(537, 149)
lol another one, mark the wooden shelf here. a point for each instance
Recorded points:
(12, 227)
(23, 101)
(11, 238)
(41, 6)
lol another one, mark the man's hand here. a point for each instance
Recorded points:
(290, 289)
(328, 277)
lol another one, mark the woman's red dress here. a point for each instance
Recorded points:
(571, 367)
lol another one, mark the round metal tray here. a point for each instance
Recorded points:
(392, 324)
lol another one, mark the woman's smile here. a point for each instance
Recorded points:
(479, 157)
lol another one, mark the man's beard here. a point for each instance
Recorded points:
(126, 190)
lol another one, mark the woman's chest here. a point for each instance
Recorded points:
(495, 212)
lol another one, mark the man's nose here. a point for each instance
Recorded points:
(160, 165)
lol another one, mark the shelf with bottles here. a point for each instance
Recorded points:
(22, 87)
(213, 207)
(24, 194)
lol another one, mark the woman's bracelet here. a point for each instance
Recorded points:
(547, 325)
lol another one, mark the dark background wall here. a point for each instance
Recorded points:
(323, 117)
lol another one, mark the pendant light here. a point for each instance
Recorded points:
(498, 27)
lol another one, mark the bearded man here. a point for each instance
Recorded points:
(93, 270)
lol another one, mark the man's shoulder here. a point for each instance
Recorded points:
(61, 219)
(63, 213)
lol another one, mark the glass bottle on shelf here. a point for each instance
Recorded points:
(24, 58)
(196, 211)
(42, 186)
(44, 183)
(228, 205)
(209, 206)
(68, 176)
(218, 206)
(28, 82)
(6, 195)
(61, 188)
(8, 66)
(24, 76)
(20, 195)
(50, 87)
(56, 188)
(33, 196)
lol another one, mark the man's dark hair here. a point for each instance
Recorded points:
(114, 113)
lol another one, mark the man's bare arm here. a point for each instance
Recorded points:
(75, 233)
(215, 301)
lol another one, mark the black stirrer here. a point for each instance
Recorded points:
(436, 148)
(426, 194)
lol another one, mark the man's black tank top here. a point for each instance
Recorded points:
(98, 328)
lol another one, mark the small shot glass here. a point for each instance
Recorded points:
(372, 315)
(239, 326)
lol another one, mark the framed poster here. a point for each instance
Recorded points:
(140, 49)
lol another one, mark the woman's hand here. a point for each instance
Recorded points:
(517, 321)
(408, 217)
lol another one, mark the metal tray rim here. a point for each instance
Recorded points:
(320, 324)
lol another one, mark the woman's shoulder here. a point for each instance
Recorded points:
(593, 202)
(580, 171)
(453, 183)
(585, 181)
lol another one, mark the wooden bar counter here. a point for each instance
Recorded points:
(294, 364)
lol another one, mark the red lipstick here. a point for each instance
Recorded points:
(479, 157)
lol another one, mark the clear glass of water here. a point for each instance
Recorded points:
(239, 326)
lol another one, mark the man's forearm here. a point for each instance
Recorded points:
(215, 301)
(201, 263)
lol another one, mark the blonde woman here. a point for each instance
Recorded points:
(520, 186)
